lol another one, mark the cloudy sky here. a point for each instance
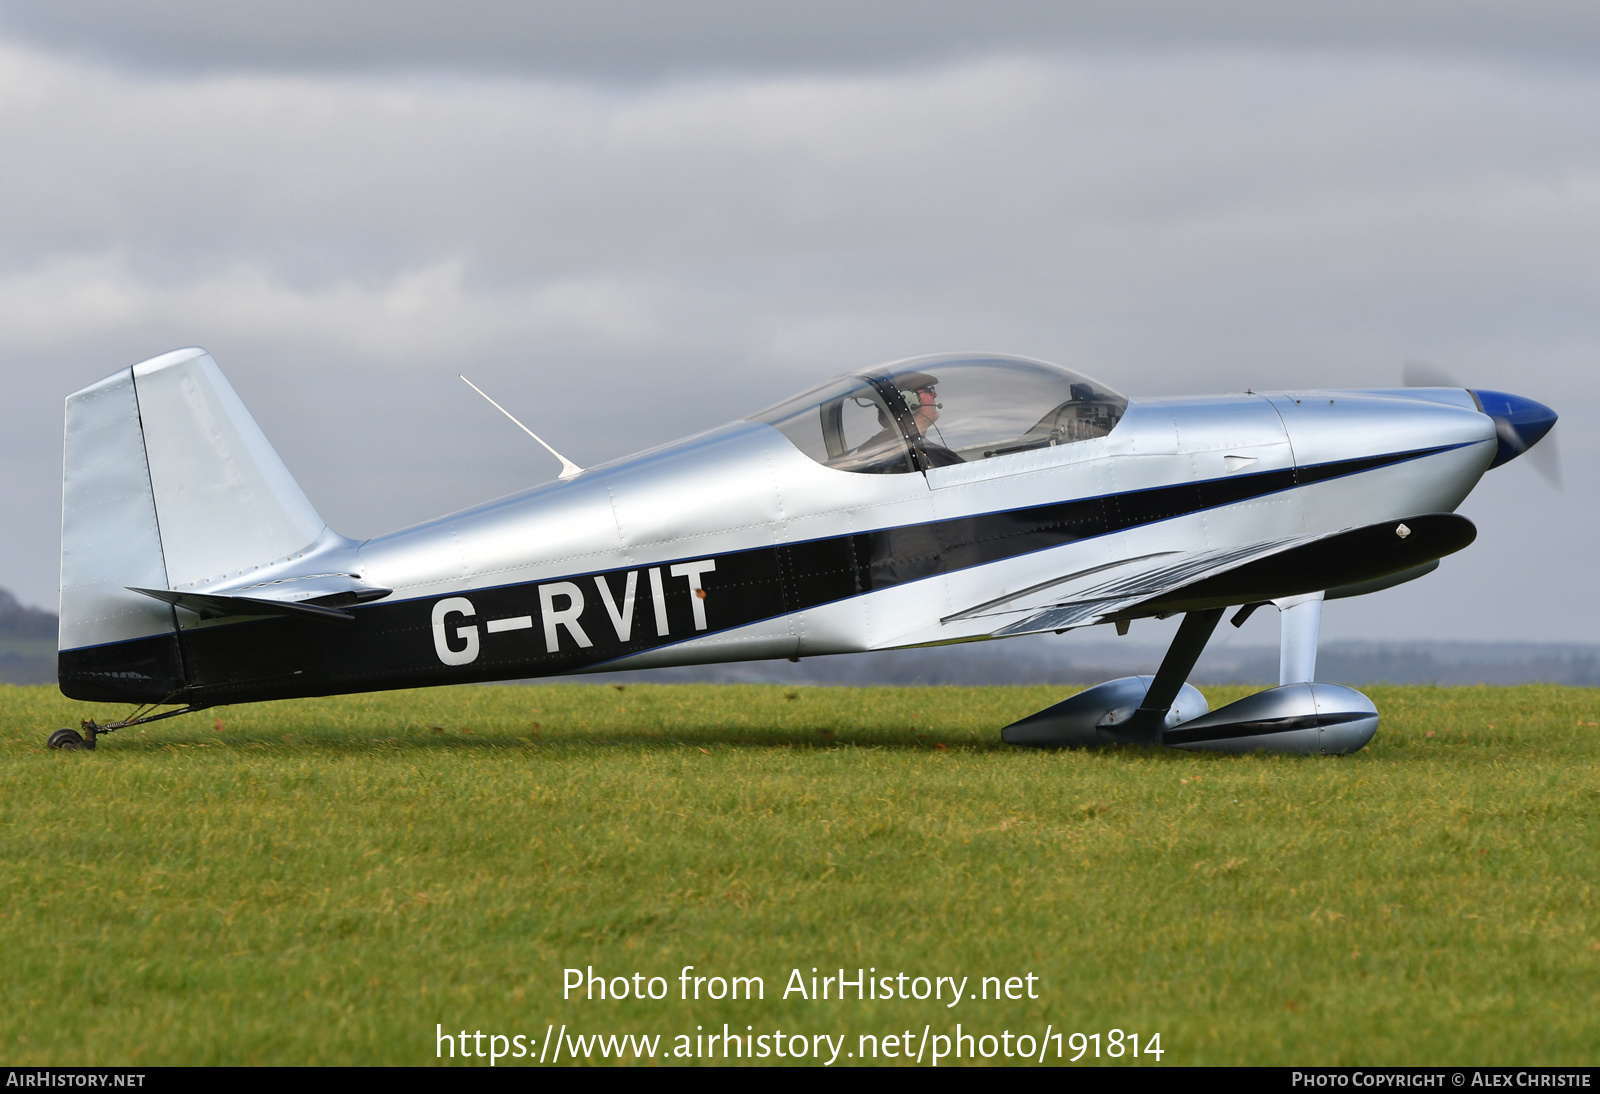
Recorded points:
(629, 221)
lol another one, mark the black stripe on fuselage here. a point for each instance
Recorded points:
(391, 645)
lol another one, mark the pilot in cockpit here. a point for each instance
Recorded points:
(917, 390)
(923, 402)
(921, 399)
(925, 411)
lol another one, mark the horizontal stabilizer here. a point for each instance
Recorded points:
(322, 590)
(216, 606)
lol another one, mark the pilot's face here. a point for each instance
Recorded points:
(926, 412)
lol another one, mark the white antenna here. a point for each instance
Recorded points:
(568, 468)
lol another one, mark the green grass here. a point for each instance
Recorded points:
(324, 880)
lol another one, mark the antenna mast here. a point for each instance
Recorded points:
(568, 468)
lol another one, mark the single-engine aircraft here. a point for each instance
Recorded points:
(933, 500)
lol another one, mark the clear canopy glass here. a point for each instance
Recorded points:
(937, 411)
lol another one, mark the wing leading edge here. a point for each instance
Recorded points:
(1255, 573)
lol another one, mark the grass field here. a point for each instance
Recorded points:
(323, 881)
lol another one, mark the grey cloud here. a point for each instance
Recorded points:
(632, 40)
(324, 183)
(620, 267)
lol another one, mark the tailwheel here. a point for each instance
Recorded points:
(69, 738)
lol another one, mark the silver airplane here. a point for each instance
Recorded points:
(933, 500)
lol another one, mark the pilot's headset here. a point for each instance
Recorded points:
(909, 383)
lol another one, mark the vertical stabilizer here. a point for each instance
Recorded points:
(169, 484)
(224, 501)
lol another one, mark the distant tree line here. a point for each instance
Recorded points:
(20, 621)
(27, 643)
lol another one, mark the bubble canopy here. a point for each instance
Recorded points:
(928, 412)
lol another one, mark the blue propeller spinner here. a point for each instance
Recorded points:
(1519, 423)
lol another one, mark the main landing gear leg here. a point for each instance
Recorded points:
(71, 739)
(1148, 722)
(1299, 624)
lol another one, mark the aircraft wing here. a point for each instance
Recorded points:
(1258, 572)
